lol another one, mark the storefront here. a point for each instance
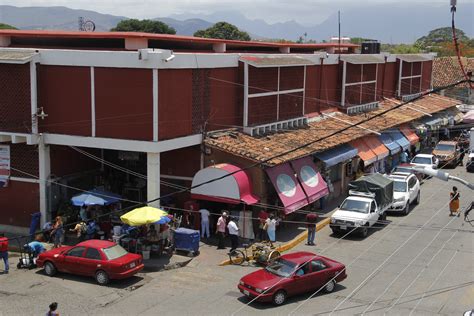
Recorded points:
(380, 150)
(394, 149)
(366, 155)
(338, 165)
(412, 138)
(433, 125)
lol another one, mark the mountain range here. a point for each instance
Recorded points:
(394, 23)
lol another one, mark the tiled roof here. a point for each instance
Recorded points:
(446, 70)
(261, 148)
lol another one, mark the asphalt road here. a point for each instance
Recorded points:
(423, 262)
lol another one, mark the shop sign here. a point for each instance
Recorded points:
(4, 165)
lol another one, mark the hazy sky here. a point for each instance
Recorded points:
(303, 11)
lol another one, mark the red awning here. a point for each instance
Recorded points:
(287, 186)
(376, 146)
(409, 134)
(311, 181)
(365, 153)
(234, 185)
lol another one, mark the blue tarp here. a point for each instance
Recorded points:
(400, 139)
(337, 154)
(392, 145)
(95, 197)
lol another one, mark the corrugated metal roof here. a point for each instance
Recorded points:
(16, 56)
(362, 59)
(412, 58)
(274, 61)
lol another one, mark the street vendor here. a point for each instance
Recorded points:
(36, 247)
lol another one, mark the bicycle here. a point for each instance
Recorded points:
(260, 252)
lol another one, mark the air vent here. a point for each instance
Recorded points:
(409, 97)
(363, 108)
(264, 129)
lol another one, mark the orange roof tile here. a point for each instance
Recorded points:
(446, 70)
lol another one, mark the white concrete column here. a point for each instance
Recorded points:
(44, 173)
(246, 94)
(33, 98)
(154, 177)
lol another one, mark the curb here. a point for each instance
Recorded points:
(294, 242)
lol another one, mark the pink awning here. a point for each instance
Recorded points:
(233, 188)
(312, 182)
(288, 188)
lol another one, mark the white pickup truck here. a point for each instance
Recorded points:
(369, 198)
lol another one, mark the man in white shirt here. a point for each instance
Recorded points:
(205, 223)
(233, 233)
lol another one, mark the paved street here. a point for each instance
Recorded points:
(394, 264)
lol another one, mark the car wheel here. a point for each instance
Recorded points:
(418, 198)
(383, 217)
(101, 277)
(279, 297)
(330, 286)
(406, 210)
(364, 231)
(49, 269)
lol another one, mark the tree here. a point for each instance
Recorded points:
(4, 26)
(223, 30)
(440, 35)
(400, 49)
(147, 26)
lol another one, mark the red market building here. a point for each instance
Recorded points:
(163, 100)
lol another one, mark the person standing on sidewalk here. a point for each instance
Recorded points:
(221, 225)
(454, 202)
(262, 217)
(270, 224)
(205, 223)
(311, 219)
(233, 233)
(4, 252)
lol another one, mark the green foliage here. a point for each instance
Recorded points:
(358, 40)
(440, 35)
(400, 48)
(4, 26)
(223, 30)
(147, 26)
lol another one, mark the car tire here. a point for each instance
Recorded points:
(406, 210)
(101, 277)
(50, 269)
(418, 198)
(330, 286)
(383, 217)
(364, 231)
(279, 297)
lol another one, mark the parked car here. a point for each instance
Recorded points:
(425, 160)
(470, 163)
(290, 275)
(408, 168)
(406, 190)
(104, 260)
(448, 153)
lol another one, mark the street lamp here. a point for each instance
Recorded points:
(442, 175)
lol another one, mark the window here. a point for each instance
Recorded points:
(409, 78)
(373, 207)
(304, 269)
(114, 252)
(76, 252)
(317, 265)
(411, 182)
(93, 253)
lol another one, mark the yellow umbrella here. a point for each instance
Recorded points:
(142, 216)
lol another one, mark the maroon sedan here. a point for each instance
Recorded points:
(292, 274)
(104, 260)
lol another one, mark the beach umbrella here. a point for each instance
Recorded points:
(143, 215)
(95, 197)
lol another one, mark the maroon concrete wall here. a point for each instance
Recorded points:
(17, 202)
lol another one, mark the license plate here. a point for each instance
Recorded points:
(246, 292)
(132, 265)
(343, 227)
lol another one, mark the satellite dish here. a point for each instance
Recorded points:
(86, 25)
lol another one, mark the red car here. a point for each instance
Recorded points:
(104, 260)
(292, 274)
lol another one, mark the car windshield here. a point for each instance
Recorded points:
(399, 186)
(114, 252)
(281, 267)
(356, 206)
(445, 147)
(422, 160)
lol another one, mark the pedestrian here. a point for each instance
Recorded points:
(270, 225)
(205, 223)
(461, 156)
(36, 247)
(4, 252)
(233, 233)
(221, 225)
(404, 157)
(52, 309)
(311, 219)
(58, 232)
(262, 217)
(80, 230)
(454, 202)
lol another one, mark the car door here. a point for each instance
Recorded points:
(319, 274)
(71, 258)
(301, 280)
(373, 215)
(411, 189)
(90, 262)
